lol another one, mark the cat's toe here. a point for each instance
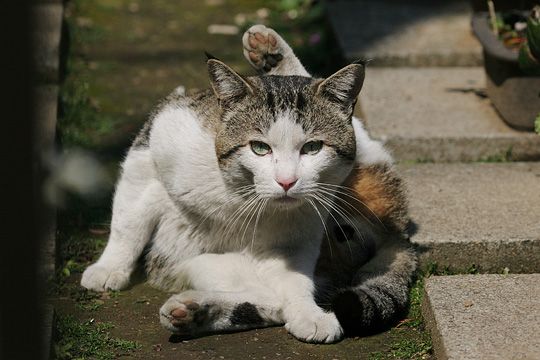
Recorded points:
(101, 278)
(117, 280)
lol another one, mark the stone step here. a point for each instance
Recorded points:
(440, 115)
(484, 316)
(479, 214)
(406, 33)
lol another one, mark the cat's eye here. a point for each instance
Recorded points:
(311, 147)
(260, 148)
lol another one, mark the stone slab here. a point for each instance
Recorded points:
(478, 317)
(479, 214)
(440, 115)
(406, 33)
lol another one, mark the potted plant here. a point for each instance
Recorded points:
(511, 48)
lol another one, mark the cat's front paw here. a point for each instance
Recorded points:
(263, 47)
(100, 278)
(184, 314)
(315, 327)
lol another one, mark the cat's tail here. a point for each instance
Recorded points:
(379, 294)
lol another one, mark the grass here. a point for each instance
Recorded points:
(88, 340)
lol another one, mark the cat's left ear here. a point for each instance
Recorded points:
(228, 85)
(344, 86)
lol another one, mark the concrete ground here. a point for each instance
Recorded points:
(481, 214)
(411, 33)
(484, 316)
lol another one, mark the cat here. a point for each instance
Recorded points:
(261, 202)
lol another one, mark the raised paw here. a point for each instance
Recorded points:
(263, 47)
(315, 327)
(100, 278)
(181, 314)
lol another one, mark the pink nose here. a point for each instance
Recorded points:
(287, 184)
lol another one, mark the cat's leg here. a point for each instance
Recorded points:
(195, 312)
(268, 53)
(294, 283)
(234, 291)
(135, 213)
(226, 294)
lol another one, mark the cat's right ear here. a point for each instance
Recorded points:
(228, 86)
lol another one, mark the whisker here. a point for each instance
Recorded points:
(310, 201)
(240, 192)
(332, 192)
(249, 216)
(260, 211)
(237, 215)
(344, 190)
(344, 213)
(321, 200)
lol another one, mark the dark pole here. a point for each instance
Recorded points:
(20, 313)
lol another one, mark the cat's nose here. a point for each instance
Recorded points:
(287, 184)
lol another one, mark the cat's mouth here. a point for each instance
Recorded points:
(287, 201)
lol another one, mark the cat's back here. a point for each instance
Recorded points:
(198, 108)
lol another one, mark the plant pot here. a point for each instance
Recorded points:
(516, 96)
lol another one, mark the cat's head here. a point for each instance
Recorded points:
(285, 136)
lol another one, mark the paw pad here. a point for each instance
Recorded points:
(261, 47)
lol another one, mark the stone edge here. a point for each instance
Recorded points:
(431, 325)
(524, 147)
(522, 256)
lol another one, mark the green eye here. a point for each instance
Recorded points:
(311, 147)
(260, 148)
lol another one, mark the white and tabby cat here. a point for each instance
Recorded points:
(228, 194)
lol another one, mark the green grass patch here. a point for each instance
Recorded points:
(88, 340)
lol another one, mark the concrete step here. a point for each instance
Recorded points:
(479, 214)
(484, 316)
(406, 33)
(440, 115)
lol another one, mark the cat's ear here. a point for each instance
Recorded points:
(228, 86)
(343, 86)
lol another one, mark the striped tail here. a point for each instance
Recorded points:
(379, 294)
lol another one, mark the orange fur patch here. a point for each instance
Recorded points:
(380, 190)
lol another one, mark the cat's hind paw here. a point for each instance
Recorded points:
(181, 314)
(100, 278)
(263, 47)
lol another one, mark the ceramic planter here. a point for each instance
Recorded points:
(516, 96)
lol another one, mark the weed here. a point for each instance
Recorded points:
(88, 340)
(93, 305)
(498, 158)
(409, 349)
